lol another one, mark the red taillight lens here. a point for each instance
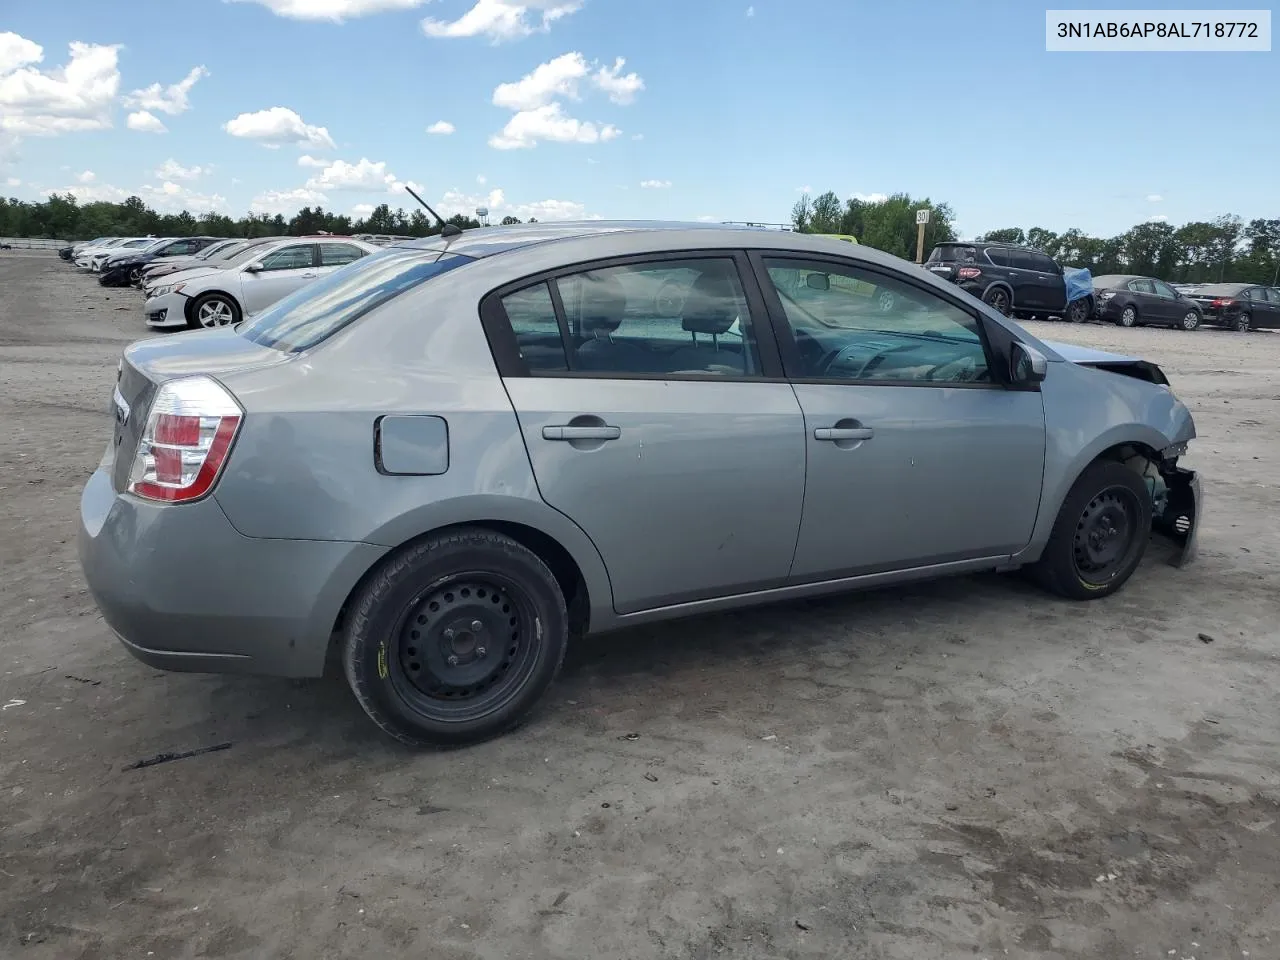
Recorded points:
(189, 432)
(1222, 302)
(968, 273)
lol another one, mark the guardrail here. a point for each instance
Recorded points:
(30, 243)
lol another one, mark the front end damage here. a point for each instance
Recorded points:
(1175, 498)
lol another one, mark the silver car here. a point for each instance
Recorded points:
(448, 457)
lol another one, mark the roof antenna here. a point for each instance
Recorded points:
(446, 229)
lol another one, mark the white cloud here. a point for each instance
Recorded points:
(362, 175)
(16, 51)
(335, 10)
(707, 219)
(455, 202)
(501, 20)
(94, 193)
(1158, 218)
(549, 210)
(71, 98)
(171, 99)
(592, 161)
(13, 182)
(655, 184)
(173, 197)
(442, 127)
(286, 201)
(871, 197)
(87, 177)
(536, 97)
(361, 210)
(172, 170)
(306, 160)
(622, 89)
(549, 122)
(751, 11)
(805, 189)
(637, 136)
(276, 126)
(145, 122)
(481, 179)
(1154, 198)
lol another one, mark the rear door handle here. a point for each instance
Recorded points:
(566, 432)
(309, 276)
(843, 433)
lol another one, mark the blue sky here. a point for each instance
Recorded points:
(720, 109)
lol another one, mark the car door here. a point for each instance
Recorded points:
(1273, 307)
(916, 456)
(1170, 309)
(334, 254)
(281, 272)
(1142, 294)
(658, 421)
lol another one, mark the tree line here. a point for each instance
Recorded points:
(1226, 248)
(63, 217)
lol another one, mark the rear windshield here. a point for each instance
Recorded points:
(321, 309)
(952, 252)
(1221, 289)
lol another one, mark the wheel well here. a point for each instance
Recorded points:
(1126, 453)
(558, 560)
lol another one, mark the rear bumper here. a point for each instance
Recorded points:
(183, 590)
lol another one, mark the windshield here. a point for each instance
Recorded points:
(321, 309)
(220, 250)
(1221, 289)
(144, 242)
(252, 249)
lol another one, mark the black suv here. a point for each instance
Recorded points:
(1017, 281)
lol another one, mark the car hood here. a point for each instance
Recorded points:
(1086, 355)
(186, 276)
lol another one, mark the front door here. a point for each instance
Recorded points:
(283, 271)
(1168, 307)
(641, 395)
(916, 456)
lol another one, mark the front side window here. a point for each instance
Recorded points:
(1045, 264)
(855, 324)
(1163, 290)
(1023, 260)
(662, 318)
(337, 254)
(288, 258)
(1273, 295)
(322, 308)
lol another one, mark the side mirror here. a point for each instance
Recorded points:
(255, 267)
(818, 281)
(1028, 365)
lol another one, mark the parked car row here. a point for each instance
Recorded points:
(1022, 282)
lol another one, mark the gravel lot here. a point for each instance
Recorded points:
(966, 768)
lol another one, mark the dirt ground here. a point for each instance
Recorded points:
(959, 769)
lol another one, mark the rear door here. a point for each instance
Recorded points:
(1273, 304)
(658, 421)
(283, 271)
(916, 456)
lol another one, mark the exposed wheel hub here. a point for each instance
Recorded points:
(460, 639)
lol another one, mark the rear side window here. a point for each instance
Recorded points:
(998, 256)
(1142, 286)
(1273, 294)
(533, 320)
(337, 254)
(320, 309)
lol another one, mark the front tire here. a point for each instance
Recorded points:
(454, 639)
(1100, 535)
(1078, 310)
(213, 310)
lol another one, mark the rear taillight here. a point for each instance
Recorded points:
(1222, 302)
(190, 428)
(968, 273)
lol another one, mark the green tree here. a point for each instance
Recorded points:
(1005, 235)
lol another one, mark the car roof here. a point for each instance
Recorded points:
(481, 242)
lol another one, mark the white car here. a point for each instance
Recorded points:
(249, 282)
(84, 251)
(93, 259)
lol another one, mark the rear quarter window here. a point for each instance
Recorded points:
(320, 309)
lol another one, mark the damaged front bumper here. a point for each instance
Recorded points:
(1179, 521)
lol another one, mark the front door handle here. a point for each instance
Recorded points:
(836, 434)
(567, 432)
(309, 276)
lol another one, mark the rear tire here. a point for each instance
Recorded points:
(1128, 317)
(454, 639)
(998, 298)
(1243, 323)
(1191, 321)
(1100, 534)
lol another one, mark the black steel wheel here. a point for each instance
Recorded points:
(453, 639)
(998, 298)
(1100, 534)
